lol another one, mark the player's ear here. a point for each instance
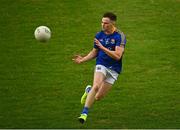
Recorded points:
(113, 23)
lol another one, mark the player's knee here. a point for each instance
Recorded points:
(98, 97)
(96, 88)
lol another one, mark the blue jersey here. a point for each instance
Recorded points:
(110, 42)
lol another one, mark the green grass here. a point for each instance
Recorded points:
(40, 87)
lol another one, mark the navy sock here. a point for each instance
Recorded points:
(88, 89)
(85, 110)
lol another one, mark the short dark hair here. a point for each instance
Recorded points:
(110, 15)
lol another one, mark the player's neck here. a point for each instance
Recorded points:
(111, 31)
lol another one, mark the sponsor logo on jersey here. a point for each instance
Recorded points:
(107, 41)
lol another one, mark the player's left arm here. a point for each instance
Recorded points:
(117, 54)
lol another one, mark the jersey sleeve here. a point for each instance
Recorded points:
(121, 40)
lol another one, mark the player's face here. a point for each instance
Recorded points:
(106, 24)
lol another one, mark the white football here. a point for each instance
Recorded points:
(42, 33)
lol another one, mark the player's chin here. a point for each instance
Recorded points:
(104, 29)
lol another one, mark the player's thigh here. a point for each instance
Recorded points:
(103, 90)
(99, 77)
(99, 74)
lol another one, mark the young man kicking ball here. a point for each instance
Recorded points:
(109, 45)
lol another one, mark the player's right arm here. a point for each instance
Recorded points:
(91, 55)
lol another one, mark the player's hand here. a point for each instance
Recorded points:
(77, 59)
(98, 43)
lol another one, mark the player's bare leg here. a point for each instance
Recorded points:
(98, 80)
(103, 90)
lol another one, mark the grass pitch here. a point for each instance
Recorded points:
(40, 87)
